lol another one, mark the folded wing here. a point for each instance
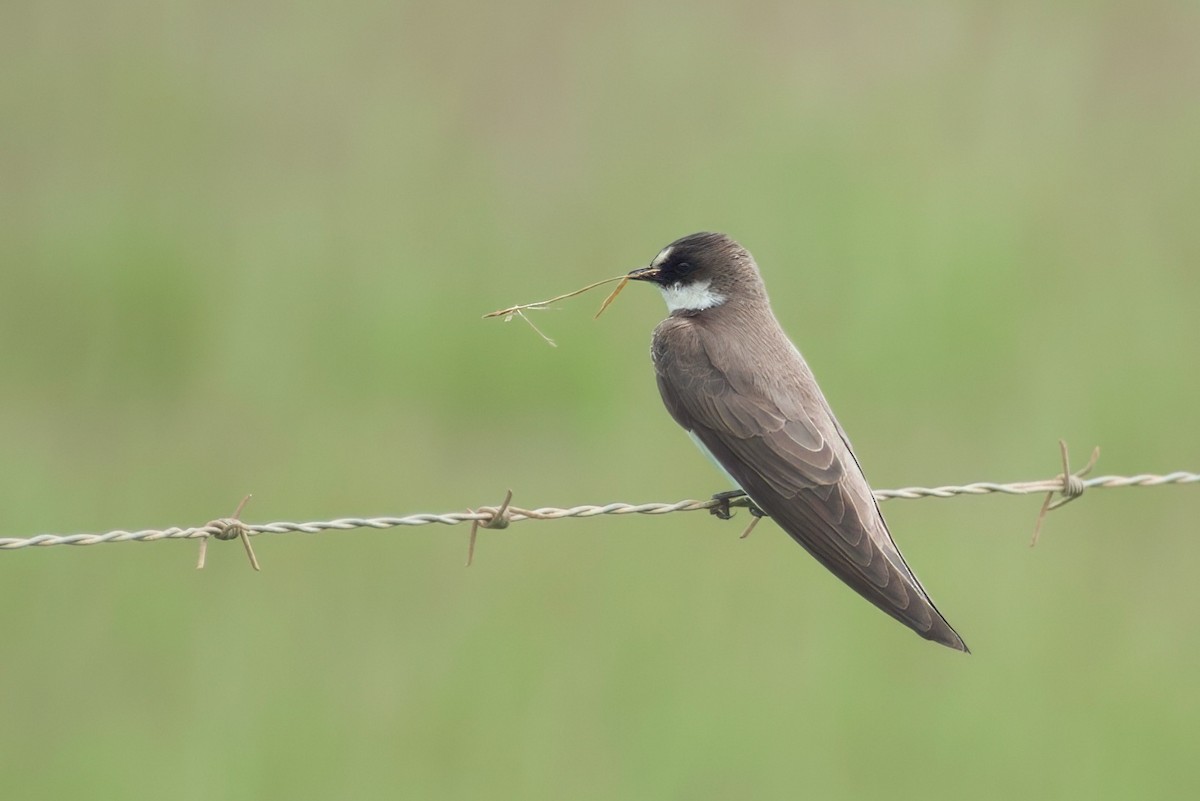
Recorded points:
(781, 443)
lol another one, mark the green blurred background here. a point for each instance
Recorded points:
(246, 247)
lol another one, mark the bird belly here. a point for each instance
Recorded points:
(704, 449)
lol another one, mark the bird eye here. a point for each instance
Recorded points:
(683, 268)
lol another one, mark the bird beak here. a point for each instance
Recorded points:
(644, 274)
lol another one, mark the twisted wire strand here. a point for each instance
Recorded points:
(497, 517)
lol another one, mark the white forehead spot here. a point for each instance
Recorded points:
(696, 296)
(662, 257)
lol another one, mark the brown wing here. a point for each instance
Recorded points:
(779, 440)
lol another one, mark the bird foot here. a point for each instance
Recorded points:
(724, 506)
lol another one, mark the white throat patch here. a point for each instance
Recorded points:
(696, 296)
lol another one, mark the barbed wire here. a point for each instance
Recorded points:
(1059, 490)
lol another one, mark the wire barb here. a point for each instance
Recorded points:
(227, 528)
(753, 522)
(497, 518)
(1072, 487)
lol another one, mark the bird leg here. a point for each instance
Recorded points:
(725, 502)
(722, 509)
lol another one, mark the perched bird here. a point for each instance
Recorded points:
(730, 376)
